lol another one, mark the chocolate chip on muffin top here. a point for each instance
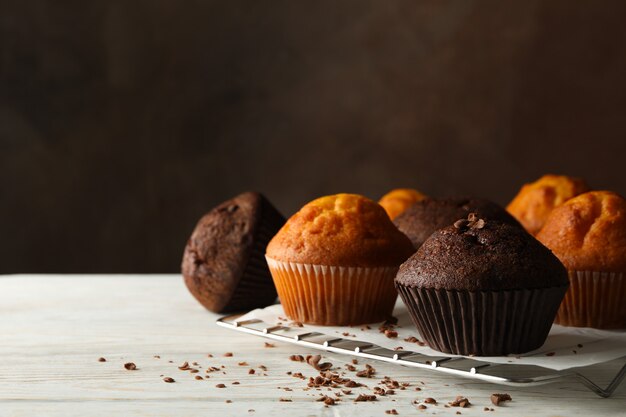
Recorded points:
(421, 219)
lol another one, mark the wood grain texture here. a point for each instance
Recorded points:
(54, 329)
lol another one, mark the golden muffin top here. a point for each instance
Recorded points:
(535, 201)
(341, 230)
(398, 200)
(588, 232)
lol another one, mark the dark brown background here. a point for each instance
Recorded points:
(121, 122)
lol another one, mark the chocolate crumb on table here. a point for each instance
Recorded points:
(130, 366)
(220, 386)
(393, 411)
(228, 354)
(285, 400)
(365, 397)
(101, 360)
(243, 364)
(496, 399)
(198, 377)
(430, 400)
(460, 401)
(314, 360)
(168, 380)
(251, 372)
(184, 366)
(269, 345)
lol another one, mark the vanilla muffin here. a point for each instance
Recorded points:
(398, 200)
(588, 234)
(334, 261)
(535, 201)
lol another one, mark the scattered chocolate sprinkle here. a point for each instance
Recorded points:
(398, 348)
(228, 401)
(458, 412)
(193, 371)
(486, 409)
(251, 372)
(228, 354)
(418, 389)
(236, 382)
(156, 357)
(460, 401)
(209, 355)
(198, 377)
(269, 345)
(101, 360)
(314, 360)
(195, 363)
(263, 367)
(350, 367)
(430, 400)
(496, 399)
(220, 386)
(327, 400)
(184, 366)
(368, 372)
(391, 334)
(346, 391)
(285, 400)
(297, 358)
(243, 364)
(355, 361)
(422, 407)
(168, 380)
(365, 397)
(351, 384)
(393, 411)
(130, 366)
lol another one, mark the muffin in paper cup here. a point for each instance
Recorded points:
(482, 287)
(334, 262)
(588, 234)
(595, 299)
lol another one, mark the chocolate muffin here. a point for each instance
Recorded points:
(422, 218)
(482, 287)
(224, 263)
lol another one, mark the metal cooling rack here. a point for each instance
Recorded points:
(478, 370)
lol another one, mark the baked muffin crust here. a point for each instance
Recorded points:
(588, 232)
(340, 230)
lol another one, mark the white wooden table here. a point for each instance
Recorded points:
(54, 329)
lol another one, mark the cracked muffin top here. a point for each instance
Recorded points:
(340, 230)
(588, 232)
(535, 201)
(475, 254)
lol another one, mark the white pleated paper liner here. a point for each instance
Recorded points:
(594, 299)
(334, 295)
(489, 323)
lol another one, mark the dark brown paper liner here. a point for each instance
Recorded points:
(594, 299)
(256, 288)
(334, 295)
(489, 323)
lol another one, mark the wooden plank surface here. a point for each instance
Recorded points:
(54, 328)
